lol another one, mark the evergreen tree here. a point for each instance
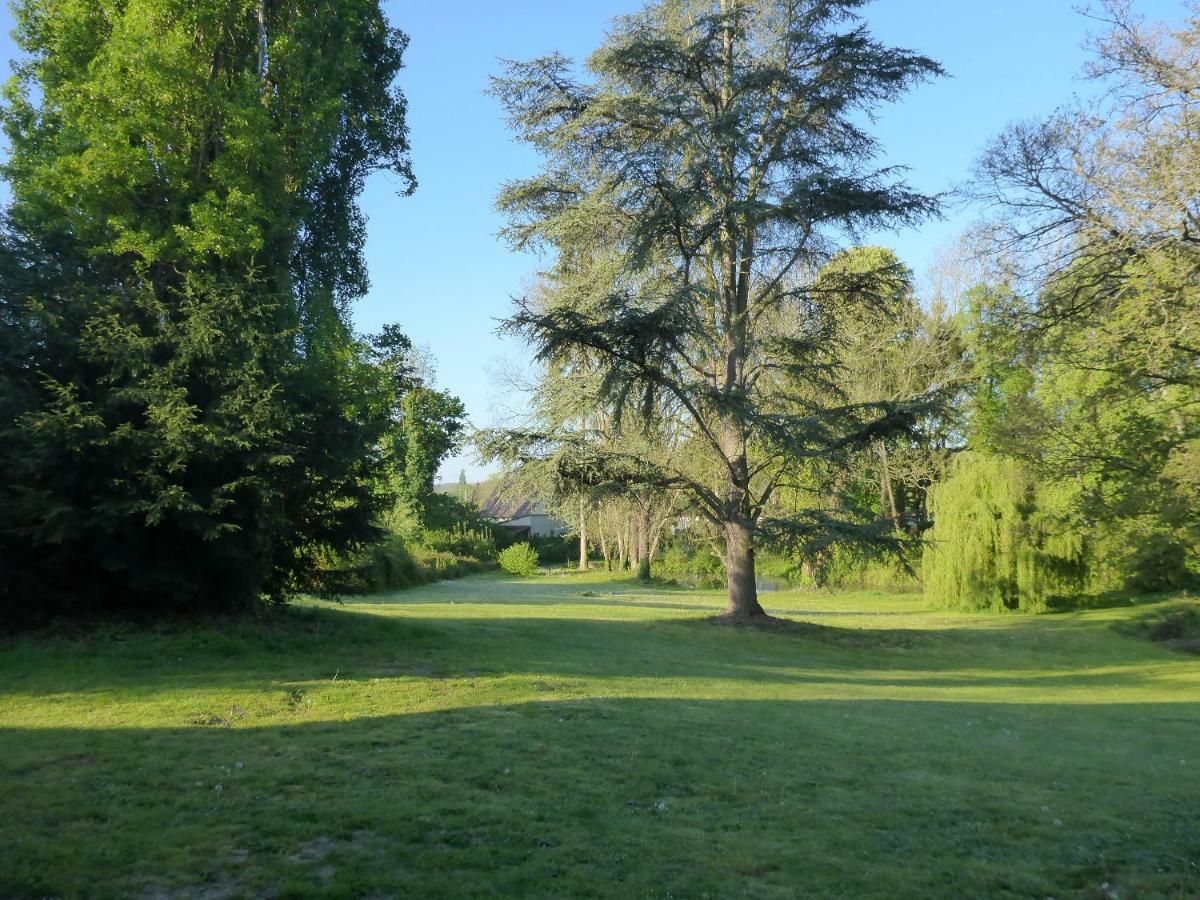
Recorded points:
(186, 419)
(690, 189)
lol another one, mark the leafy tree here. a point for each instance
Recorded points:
(431, 427)
(1093, 343)
(566, 453)
(891, 351)
(424, 426)
(711, 162)
(187, 420)
(997, 542)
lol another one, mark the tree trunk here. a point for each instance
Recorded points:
(262, 40)
(656, 538)
(583, 537)
(887, 496)
(643, 546)
(605, 549)
(631, 545)
(739, 568)
(643, 537)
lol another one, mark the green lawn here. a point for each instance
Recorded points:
(573, 736)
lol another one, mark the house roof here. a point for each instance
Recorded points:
(489, 496)
(503, 509)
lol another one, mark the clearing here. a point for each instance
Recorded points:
(574, 735)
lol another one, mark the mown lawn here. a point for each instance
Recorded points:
(574, 736)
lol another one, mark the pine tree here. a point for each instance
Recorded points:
(690, 190)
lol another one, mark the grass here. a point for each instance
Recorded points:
(576, 736)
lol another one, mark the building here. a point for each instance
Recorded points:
(527, 518)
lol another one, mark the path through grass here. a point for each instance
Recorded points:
(489, 737)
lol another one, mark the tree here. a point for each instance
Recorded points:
(1096, 323)
(567, 453)
(430, 429)
(689, 191)
(996, 542)
(187, 419)
(893, 351)
(424, 425)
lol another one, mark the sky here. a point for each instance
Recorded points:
(437, 267)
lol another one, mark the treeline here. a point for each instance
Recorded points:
(728, 371)
(719, 381)
(188, 421)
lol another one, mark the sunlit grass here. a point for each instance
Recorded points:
(578, 735)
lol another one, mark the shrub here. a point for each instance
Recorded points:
(461, 540)
(399, 561)
(1179, 623)
(557, 549)
(519, 559)
(690, 565)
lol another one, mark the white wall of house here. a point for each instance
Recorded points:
(539, 525)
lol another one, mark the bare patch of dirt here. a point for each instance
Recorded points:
(225, 889)
(761, 621)
(320, 848)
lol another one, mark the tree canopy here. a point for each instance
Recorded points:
(691, 190)
(187, 418)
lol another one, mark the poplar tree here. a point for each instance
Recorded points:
(186, 417)
(692, 187)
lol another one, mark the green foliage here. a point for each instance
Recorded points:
(1088, 367)
(519, 559)
(400, 561)
(430, 428)
(994, 544)
(397, 563)
(554, 549)
(462, 540)
(846, 567)
(186, 422)
(458, 542)
(690, 187)
(690, 565)
(1108, 449)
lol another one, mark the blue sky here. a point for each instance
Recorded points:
(436, 266)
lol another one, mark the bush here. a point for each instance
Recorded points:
(555, 549)
(461, 540)
(842, 567)
(402, 561)
(690, 565)
(519, 559)
(1176, 625)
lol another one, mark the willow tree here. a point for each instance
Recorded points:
(715, 155)
(1097, 223)
(186, 416)
(997, 543)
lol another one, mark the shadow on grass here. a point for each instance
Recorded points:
(615, 797)
(291, 647)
